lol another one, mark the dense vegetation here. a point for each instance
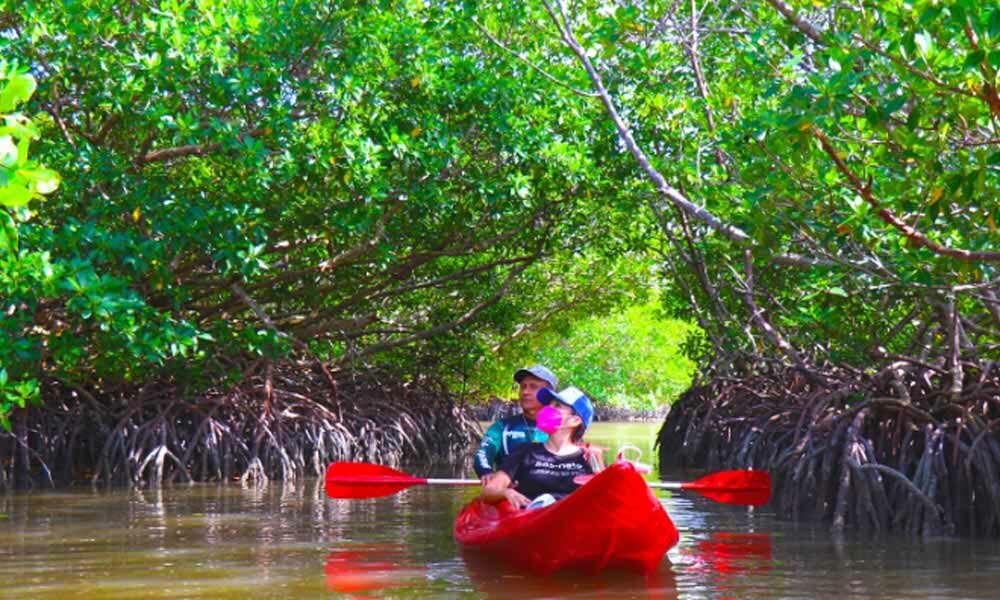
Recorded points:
(409, 185)
(341, 183)
(630, 361)
(22, 180)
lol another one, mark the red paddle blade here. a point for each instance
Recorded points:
(364, 480)
(734, 487)
(729, 487)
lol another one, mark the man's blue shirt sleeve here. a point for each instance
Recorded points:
(486, 454)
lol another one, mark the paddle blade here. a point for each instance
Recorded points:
(364, 480)
(734, 487)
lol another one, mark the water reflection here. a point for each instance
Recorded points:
(717, 562)
(278, 541)
(372, 568)
(495, 580)
(727, 554)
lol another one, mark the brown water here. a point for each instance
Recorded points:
(224, 541)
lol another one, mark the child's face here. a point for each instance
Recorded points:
(570, 418)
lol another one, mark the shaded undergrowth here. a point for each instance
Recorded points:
(284, 421)
(877, 453)
(497, 408)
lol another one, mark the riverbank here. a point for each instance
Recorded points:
(283, 421)
(845, 447)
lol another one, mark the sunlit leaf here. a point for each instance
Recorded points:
(16, 90)
(15, 195)
(8, 233)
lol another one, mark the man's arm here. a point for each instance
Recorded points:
(486, 454)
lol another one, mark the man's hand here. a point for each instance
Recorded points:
(498, 487)
(488, 478)
(497, 480)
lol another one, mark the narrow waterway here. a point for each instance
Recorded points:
(281, 541)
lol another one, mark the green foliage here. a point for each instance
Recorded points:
(416, 186)
(905, 94)
(21, 179)
(24, 275)
(631, 359)
(246, 179)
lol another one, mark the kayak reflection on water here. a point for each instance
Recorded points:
(371, 567)
(493, 579)
(727, 554)
(723, 556)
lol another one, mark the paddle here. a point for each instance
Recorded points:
(365, 480)
(729, 487)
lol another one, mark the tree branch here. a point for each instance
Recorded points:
(540, 70)
(266, 320)
(147, 156)
(801, 24)
(890, 218)
(662, 187)
(366, 246)
(443, 327)
(757, 314)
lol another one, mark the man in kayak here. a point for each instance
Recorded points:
(541, 473)
(507, 434)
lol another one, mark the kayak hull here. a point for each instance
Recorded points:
(612, 521)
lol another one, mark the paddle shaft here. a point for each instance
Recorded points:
(665, 485)
(452, 481)
(662, 485)
(364, 480)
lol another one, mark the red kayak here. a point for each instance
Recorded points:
(612, 521)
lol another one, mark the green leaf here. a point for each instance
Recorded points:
(8, 152)
(15, 195)
(994, 56)
(44, 181)
(893, 105)
(913, 119)
(924, 42)
(933, 211)
(19, 89)
(8, 234)
(974, 59)
(929, 14)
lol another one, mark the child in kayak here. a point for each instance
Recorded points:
(510, 433)
(545, 471)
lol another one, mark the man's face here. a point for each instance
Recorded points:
(528, 388)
